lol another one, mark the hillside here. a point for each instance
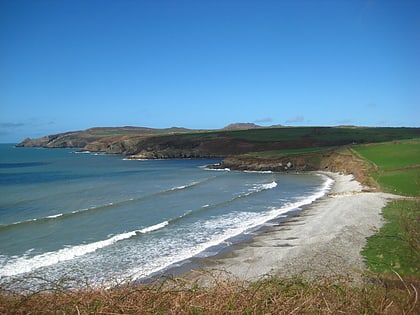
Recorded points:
(139, 142)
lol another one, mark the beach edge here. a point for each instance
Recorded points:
(324, 239)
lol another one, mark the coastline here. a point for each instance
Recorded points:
(324, 239)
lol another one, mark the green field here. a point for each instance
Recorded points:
(333, 135)
(121, 131)
(392, 155)
(287, 152)
(396, 168)
(396, 246)
(110, 133)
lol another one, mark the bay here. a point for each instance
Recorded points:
(107, 219)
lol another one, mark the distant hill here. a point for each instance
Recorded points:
(141, 142)
(237, 126)
(82, 138)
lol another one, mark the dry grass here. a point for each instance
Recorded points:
(268, 296)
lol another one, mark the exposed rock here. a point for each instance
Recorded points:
(64, 140)
(235, 126)
(334, 160)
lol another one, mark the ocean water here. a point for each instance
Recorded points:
(106, 219)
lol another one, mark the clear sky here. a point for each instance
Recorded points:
(70, 65)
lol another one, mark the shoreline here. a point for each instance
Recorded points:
(324, 239)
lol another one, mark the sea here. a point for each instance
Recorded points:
(107, 220)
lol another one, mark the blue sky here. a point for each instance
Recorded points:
(70, 65)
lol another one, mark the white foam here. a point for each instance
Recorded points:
(185, 186)
(218, 169)
(25, 264)
(260, 187)
(19, 222)
(237, 224)
(271, 185)
(180, 187)
(54, 216)
(243, 223)
(154, 227)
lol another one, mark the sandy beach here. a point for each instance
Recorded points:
(322, 240)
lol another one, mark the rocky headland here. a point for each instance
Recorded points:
(242, 146)
(338, 160)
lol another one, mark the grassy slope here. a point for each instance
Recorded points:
(301, 135)
(396, 247)
(396, 166)
(120, 131)
(286, 152)
(336, 135)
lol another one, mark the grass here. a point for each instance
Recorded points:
(401, 182)
(106, 132)
(389, 156)
(328, 135)
(266, 296)
(396, 247)
(110, 133)
(395, 166)
(288, 152)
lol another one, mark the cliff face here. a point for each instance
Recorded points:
(335, 160)
(104, 139)
(65, 140)
(154, 144)
(140, 142)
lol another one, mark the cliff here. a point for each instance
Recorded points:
(141, 142)
(339, 159)
(73, 139)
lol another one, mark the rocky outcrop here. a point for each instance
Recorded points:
(99, 139)
(238, 126)
(64, 140)
(306, 162)
(335, 160)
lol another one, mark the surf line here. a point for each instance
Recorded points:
(25, 265)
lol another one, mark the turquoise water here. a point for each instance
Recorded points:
(106, 219)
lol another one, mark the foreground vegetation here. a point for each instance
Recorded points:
(392, 255)
(267, 296)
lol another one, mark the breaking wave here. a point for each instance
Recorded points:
(26, 264)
